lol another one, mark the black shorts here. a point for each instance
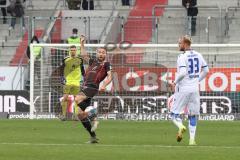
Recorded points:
(89, 91)
(84, 104)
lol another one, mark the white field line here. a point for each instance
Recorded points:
(118, 145)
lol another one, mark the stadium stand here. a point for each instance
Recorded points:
(14, 42)
(211, 22)
(217, 22)
(139, 29)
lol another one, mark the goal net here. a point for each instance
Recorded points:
(141, 73)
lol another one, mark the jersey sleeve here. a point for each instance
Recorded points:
(204, 63)
(204, 69)
(82, 68)
(108, 66)
(62, 67)
(181, 61)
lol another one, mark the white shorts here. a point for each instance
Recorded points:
(190, 100)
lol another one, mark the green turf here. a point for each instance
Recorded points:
(126, 140)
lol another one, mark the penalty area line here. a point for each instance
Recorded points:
(118, 145)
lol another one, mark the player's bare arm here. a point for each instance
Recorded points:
(107, 81)
(84, 53)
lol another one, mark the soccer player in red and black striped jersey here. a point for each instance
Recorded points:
(99, 69)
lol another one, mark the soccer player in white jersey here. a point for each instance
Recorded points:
(191, 69)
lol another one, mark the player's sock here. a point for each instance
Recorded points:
(177, 120)
(64, 108)
(94, 125)
(87, 124)
(181, 128)
(76, 110)
(192, 127)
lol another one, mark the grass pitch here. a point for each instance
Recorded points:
(121, 140)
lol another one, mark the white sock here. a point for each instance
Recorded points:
(177, 121)
(192, 131)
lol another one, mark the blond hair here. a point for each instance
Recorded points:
(187, 39)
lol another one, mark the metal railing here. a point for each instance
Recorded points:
(108, 21)
(30, 4)
(21, 65)
(51, 21)
(228, 17)
(5, 5)
(223, 27)
(22, 72)
(98, 4)
(155, 24)
(208, 28)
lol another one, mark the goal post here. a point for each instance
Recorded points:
(139, 90)
(31, 77)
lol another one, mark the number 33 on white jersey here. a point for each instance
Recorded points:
(193, 62)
